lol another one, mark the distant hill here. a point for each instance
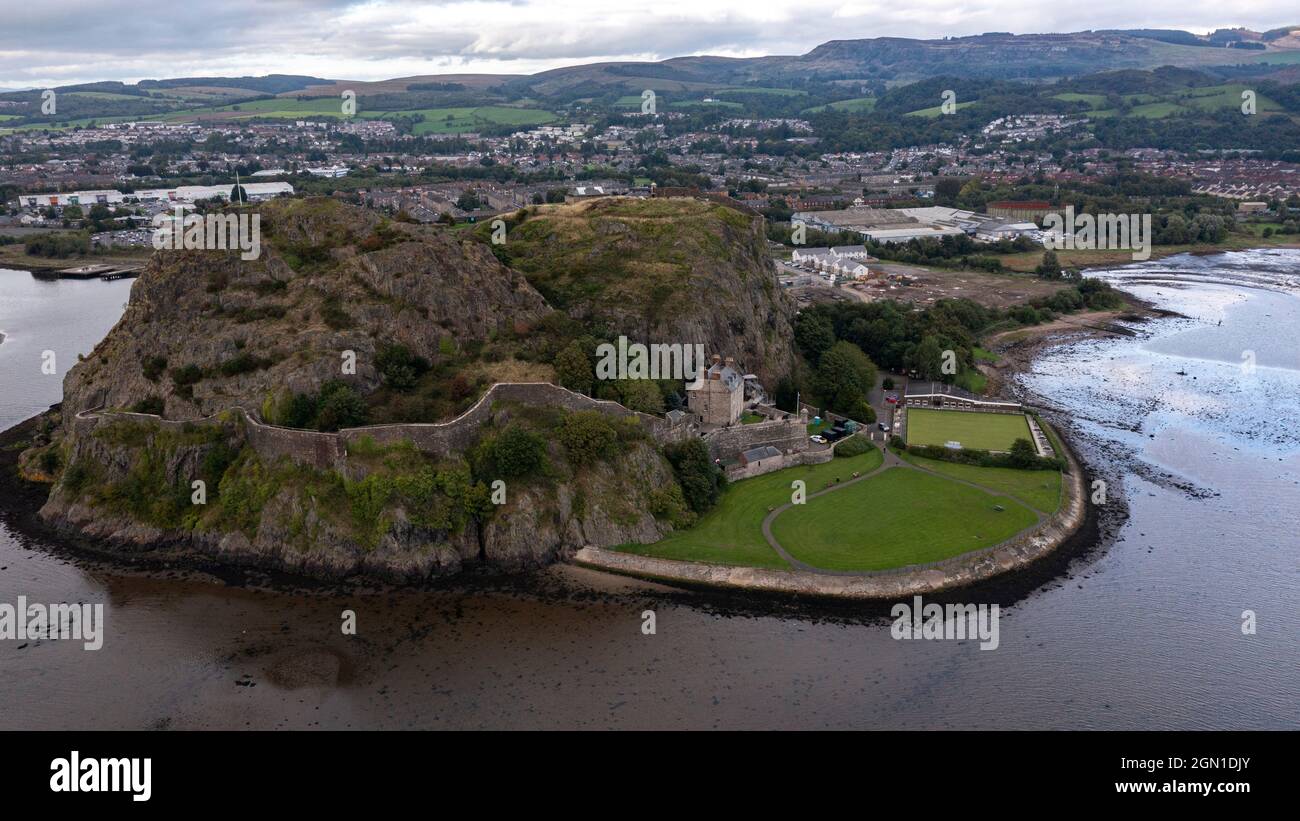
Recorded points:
(898, 59)
(992, 55)
(837, 70)
(333, 88)
(270, 84)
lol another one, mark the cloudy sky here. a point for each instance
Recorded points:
(53, 42)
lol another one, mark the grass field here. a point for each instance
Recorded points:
(732, 532)
(1041, 489)
(900, 517)
(980, 431)
(103, 95)
(459, 120)
(936, 111)
(700, 103)
(436, 120)
(1155, 107)
(855, 104)
(778, 92)
(1093, 100)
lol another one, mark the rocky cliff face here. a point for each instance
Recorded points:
(129, 487)
(669, 271)
(330, 279)
(206, 332)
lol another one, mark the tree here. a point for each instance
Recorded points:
(786, 394)
(573, 368)
(238, 194)
(468, 200)
(641, 395)
(814, 334)
(1023, 453)
(926, 358)
(701, 480)
(1050, 267)
(844, 377)
(339, 406)
(588, 436)
(517, 451)
(399, 367)
(946, 190)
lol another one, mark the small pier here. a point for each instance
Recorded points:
(103, 271)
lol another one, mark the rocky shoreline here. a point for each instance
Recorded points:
(1022, 564)
(22, 501)
(1088, 531)
(1014, 568)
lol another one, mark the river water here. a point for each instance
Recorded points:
(1144, 632)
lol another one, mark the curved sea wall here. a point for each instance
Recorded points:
(1016, 553)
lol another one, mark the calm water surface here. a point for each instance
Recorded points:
(1143, 633)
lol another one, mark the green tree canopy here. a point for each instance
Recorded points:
(844, 377)
(573, 368)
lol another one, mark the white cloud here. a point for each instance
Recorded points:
(63, 41)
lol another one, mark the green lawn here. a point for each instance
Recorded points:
(854, 104)
(935, 111)
(103, 95)
(732, 532)
(1226, 97)
(898, 518)
(972, 380)
(436, 120)
(980, 431)
(1093, 100)
(1039, 488)
(458, 120)
(780, 92)
(711, 103)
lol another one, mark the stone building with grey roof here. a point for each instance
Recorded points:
(717, 396)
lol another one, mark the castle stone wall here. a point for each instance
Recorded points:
(786, 435)
(328, 451)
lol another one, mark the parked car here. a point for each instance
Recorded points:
(818, 438)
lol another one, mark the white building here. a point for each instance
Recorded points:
(65, 198)
(891, 235)
(807, 256)
(182, 193)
